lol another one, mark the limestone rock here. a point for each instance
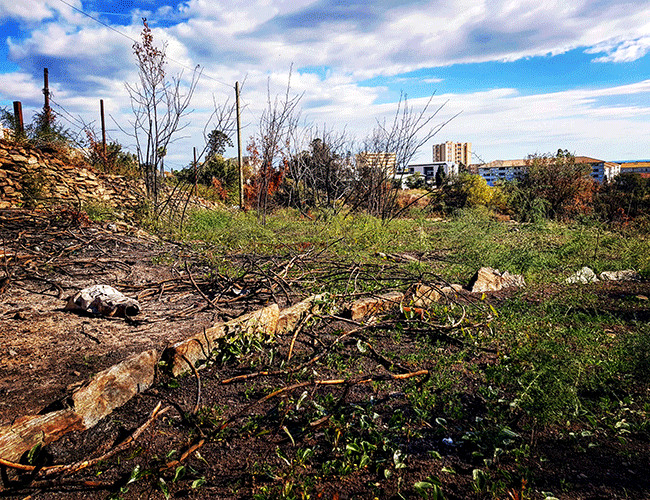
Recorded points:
(262, 324)
(373, 305)
(488, 279)
(583, 276)
(28, 431)
(115, 386)
(425, 295)
(291, 316)
(625, 275)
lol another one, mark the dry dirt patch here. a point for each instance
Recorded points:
(45, 351)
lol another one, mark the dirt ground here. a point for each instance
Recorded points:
(46, 351)
(246, 438)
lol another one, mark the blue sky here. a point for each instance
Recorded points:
(526, 76)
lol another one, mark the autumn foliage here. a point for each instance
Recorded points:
(265, 179)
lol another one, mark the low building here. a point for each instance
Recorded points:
(635, 167)
(601, 170)
(428, 171)
(508, 170)
(502, 170)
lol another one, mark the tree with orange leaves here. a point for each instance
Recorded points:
(269, 150)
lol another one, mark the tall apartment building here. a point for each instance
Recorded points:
(453, 152)
(384, 161)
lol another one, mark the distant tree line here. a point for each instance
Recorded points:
(554, 186)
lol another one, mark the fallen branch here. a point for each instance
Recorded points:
(316, 383)
(209, 301)
(77, 466)
(298, 328)
(198, 383)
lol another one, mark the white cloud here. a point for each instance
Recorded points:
(260, 41)
(19, 87)
(502, 124)
(35, 11)
(26, 10)
(621, 51)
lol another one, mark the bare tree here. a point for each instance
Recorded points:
(217, 132)
(158, 104)
(387, 152)
(270, 147)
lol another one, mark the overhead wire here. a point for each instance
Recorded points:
(121, 33)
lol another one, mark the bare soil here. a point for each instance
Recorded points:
(246, 439)
(46, 351)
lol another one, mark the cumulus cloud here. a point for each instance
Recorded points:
(32, 12)
(351, 41)
(20, 86)
(505, 124)
(621, 51)
(26, 10)
(75, 57)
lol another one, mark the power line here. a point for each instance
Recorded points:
(121, 33)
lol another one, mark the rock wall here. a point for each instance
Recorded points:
(33, 177)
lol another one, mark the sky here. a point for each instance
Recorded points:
(513, 77)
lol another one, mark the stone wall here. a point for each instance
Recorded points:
(30, 176)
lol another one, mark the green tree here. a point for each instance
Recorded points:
(440, 176)
(415, 181)
(626, 197)
(565, 186)
(217, 143)
(44, 131)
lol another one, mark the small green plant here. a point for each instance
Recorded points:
(429, 488)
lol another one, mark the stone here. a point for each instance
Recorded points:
(290, 317)
(425, 295)
(113, 387)
(262, 324)
(583, 276)
(373, 305)
(452, 289)
(28, 431)
(625, 275)
(488, 279)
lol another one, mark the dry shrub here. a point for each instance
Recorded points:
(412, 198)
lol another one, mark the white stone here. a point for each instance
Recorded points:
(584, 276)
(625, 275)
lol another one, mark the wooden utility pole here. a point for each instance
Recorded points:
(196, 175)
(101, 112)
(46, 92)
(18, 115)
(239, 152)
(46, 88)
